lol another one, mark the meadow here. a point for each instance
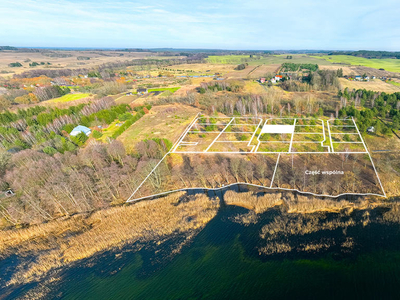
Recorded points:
(68, 98)
(376, 85)
(164, 121)
(266, 60)
(392, 65)
(171, 89)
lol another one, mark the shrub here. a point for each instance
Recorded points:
(80, 139)
(97, 134)
(125, 116)
(50, 150)
(68, 128)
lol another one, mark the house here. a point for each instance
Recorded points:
(358, 77)
(278, 77)
(9, 193)
(129, 94)
(141, 91)
(371, 129)
(80, 129)
(262, 80)
(273, 80)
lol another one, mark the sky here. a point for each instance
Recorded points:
(206, 24)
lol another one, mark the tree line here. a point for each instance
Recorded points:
(371, 108)
(369, 54)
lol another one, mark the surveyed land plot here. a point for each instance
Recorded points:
(270, 135)
(315, 156)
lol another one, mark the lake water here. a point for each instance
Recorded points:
(224, 262)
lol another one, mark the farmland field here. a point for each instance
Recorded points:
(171, 89)
(392, 65)
(68, 98)
(373, 85)
(267, 60)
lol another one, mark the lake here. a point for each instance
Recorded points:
(352, 255)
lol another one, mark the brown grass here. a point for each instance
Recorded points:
(263, 70)
(96, 58)
(62, 242)
(248, 200)
(292, 203)
(165, 121)
(373, 85)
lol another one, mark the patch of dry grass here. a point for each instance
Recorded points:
(372, 85)
(248, 200)
(59, 243)
(164, 121)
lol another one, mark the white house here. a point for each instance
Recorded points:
(80, 129)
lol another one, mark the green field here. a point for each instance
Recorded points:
(267, 60)
(110, 130)
(68, 98)
(394, 82)
(172, 90)
(391, 65)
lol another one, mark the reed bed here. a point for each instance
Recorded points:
(62, 242)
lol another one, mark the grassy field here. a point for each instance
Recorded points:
(68, 59)
(253, 87)
(110, 130)
(269, 60)
(200, 69)
(171, 89)
(165, 121)
(68, 98)
(395, 83)
(392, 65)
(373, 85)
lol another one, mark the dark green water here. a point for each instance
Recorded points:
(223, 262)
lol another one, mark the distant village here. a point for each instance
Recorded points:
(364, 77)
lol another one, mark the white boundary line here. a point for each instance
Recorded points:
(322, 143)
(254, 133)
(347, 142)
(170, 151)
(345, 133)
(366, 149)
(291, 140)
(183, 135)
(219, 135)
(276, 166)
(330, 137)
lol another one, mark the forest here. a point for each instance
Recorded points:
(369, 54)
(292, 67)
(74, 181)
(380, 110)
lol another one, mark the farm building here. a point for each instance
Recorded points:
(273, 80)
(371, 129)
(278, 77)
(262, 80)
(80, 129)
